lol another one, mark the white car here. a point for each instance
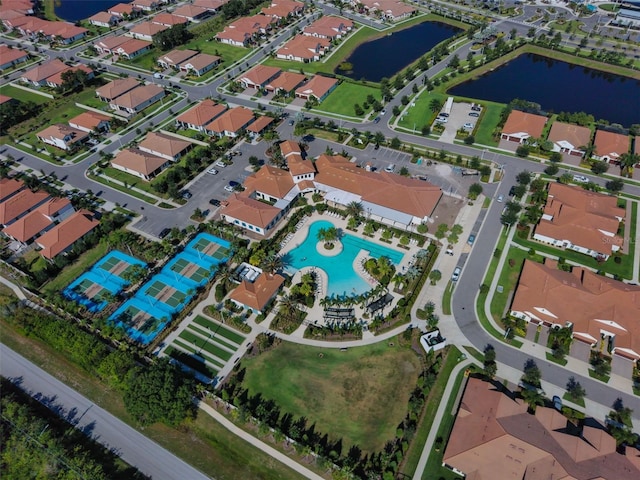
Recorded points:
(580, 179)
(390, 168)
(500, 198)
(212, 171)
(442, 120)
(468, 126)
(456, 274)
(228, 188)
(220, 164)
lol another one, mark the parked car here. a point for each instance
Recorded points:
(212, 171)
(291, 122)
(164, 232)
(231, 186)
(449, 250)
(390, 168)
(442, 120)
(512, 190)
(471, 239)
(476, 108)
(474, 114)
(383, 112)
(500, 198)
(580, 179)
(444, 114)
(215, 202)
(157, 75)
(468, 126)
(376, 120)
(220, 164)
(187, 194)
(456, 274)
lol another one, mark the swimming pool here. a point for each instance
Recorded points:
(343, 279)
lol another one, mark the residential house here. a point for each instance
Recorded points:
(62, 136)
(256, 295)
(245, 212)
(521, 126)
(318, 87)
(197, 117)
(23, 7)
(133, 48)
(494, 436)
(289, 147)
(246, 30)
(5, 99)
(200, 64)
(580, 220)
(9, 17)
(231, 123)
(61, 238)
(10, 57)
(609, 146)
(329, 27)
(261, 124)
(116, 87)
(19, 204)
(138, 99)
(271, 184)
(237, 38)
(125, 11)
(283, 9)
(109, 44)
(285, 83)
(146, 31)
(259, 76)
(175, 57)
(192, 12)
(105, 19)
(569, 139)
(37, 76)
(168, 20)
(63, 32)
(165, 146)
(91, 121)
(146, 5)
(139, 163)
(212, 5)
(9, 187)
(38, 221)
(392, 10)
(56, 80)
(302, 48)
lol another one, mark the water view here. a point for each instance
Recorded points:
(74, 10)
(559, 86)
(387, 55)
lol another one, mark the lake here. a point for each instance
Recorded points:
(74, 10)
(388, 55)
(559, 86)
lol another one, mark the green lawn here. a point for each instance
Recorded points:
(421, 115)
(82, 263)
(146, 61)
(345, 96)
(22, 95)
(229, 53)
(130, 180)
(134, 193)
(359, 395)
(446, 298)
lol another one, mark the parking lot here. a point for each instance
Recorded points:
(458, 117)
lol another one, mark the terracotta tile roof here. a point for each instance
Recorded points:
(121, 8)
(252, 24)
(581, 217)
(102, 17)
(8, 54)
(231, 121)
(286, 81)
(20, 203)
(138, 161)
(41, 72)
(521, 122)
(56, 78)
(256, 295)
(576, 135)
(407, 195)
(148, 28)
(5, 99)
(288, 147)
(260, 124)
(249, 210)
(260, 74)
(328, 26)
(494, 437)
(318, 86)
(593, 303)
(132, 46)
(298, 166)
(282, 8)
(189, 11)
(168, 19)
(89, 119)
(62, 29)
(610, 144)
(210, 4)
(21, 6)
(66, 233)
(53, 206)
(60, 131)
(146, 3)
(27, 227)
(175, 57)
(238, 36)
(138, 95)
(117, 87)
(9, 186)
(270, 180)
(202, 113)
(111, 43)
(201, 60)
(304, 46)
(164, 144)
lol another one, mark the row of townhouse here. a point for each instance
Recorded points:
(568, 139)
(189, 61)
(28, 216)
(273, 79)
(50, 73)
(77, 132)
(37, 29)
(10, 57)
(130, 96)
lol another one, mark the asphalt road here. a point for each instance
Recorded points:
(134, 448)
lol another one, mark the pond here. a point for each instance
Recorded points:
(74, 10)
(388, 55)
(558, 87)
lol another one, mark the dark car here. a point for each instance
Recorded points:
(512, 191)
(472, 238)
(474, 114)
(215, 202)
(291, 122)
(376, 120)
(187, 194)
(164, 232)
(476, 108)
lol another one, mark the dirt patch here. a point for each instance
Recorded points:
(446, 211)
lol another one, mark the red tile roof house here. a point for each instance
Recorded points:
(259, 126)
(197, 117)
(9, 187)
(329, 27)
(37, 76)
(38, 221)
(165, 146)
(90, 121)
(133, 48)
(60, 239)
(520, 126)
(109, 44)
(139, 163)
(168, 20)
(569, 138)
(192, 12)
(304, 49)
(231, 123)
(389, 9)
(494, 437)
(211, 5)
(63, 32)
(175, 57)
(146, 5)
(318, 87)
(63, 136)
(283, 9)
(246, 30)
(259, 76)
(146, 31)
(610, 146)
(200, 64)
(603, 313)
(124, 10)
(254, 215)
(257, 295)
(285, 83)
(580, 220)
(19, 204)
(10, 56)
(138, 99)
(105, 19)
(116, 87)
(56, 80)
(4, 99)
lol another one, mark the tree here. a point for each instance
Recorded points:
(435, 276)
(490, 367)
(475, 189)
(524, 178)
(272, 263)
(355, 209)
(599, 167)
(555, 157)
(523, 151)
(575, 391)
(531, 375)
(552, 169)
(328, 235)
(519, 190)
(533, 397)
(395, 143)
(435, 105)
(454, 62)
(378, 138)
(615, 185)
(159, 393)
(172, 37)
(620, 425)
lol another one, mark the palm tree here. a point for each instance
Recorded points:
(328, 235)
(533, 397)
(435, 105)
(378, 138)
(272, 263)
(355, 209)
